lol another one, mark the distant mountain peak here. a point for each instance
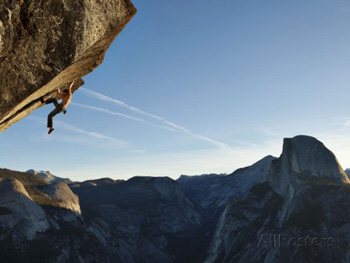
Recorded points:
(304, 157)
(49, 177)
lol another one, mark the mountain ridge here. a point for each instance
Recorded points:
(210, 218)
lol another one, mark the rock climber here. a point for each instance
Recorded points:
(66, 96)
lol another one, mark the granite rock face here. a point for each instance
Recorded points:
(21, 217)
(45, 44)
(301, 214)
(304, 158)
(214, 190)
(64, 196)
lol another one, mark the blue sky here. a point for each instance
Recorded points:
(192, 87)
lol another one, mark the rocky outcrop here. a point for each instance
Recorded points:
(304, 158)
(19, 214)
(206, 189)
(64, 196)
(212, 192)
(45, 44)
(301, 214)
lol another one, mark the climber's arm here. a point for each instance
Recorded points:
(70, 88)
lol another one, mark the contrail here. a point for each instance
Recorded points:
(120, 115)
(169, 124)
(119, 103)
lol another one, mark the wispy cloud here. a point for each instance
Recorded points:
(201, 137)
(118, 103)
(169, 124)
(98, 109)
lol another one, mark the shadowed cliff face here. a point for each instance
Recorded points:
(305, 198)
(304, 158)
(45, 44)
